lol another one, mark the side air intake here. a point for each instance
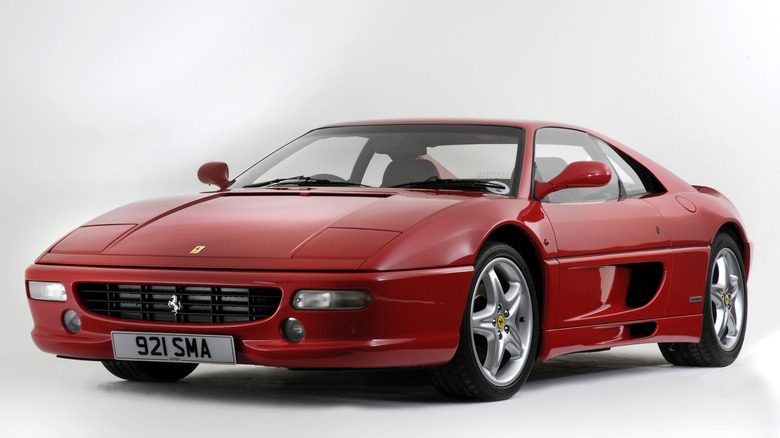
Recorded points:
(645, 281)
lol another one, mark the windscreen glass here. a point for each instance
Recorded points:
(456, 157)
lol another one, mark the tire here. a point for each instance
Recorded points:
(499, 332)
(149, 371)
(725, 311)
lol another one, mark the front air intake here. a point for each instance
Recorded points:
(183, 304)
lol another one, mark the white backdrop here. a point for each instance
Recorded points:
(103, 103)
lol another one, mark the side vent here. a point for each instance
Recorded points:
(642, 329)
(645, 282)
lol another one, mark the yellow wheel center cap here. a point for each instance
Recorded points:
(726, 299)
(500, 321)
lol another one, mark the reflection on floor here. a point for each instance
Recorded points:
(628, 391)
(262, 385)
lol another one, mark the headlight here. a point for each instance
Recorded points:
(331, 299)
(46, 291)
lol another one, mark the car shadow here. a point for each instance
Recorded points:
(365, 387)
(590, 364)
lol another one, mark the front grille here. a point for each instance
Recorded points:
(197, 304)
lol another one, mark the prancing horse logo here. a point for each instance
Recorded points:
(174, 305)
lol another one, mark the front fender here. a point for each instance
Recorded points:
(453, 236)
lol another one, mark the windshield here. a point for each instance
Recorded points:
(455, 157)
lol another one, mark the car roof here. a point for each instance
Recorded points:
(527, 124)
(667, 178)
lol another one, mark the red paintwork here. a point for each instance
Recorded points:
(372, 337)
(577, 174)
(216, 173)
(412, 249)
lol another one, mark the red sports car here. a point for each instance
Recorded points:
(473, 248)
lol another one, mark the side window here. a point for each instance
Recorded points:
(556, 148)
(635, 179)
(631, 182)
(376, 169)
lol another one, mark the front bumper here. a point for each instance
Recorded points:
(413, 319)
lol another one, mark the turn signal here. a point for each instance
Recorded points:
(331, 299)
(46, 291)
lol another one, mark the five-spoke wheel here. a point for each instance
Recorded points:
(727, 298)
(724, 311)
(501, 321)
(499, 332)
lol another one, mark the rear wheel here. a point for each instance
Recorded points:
(149, 371)
(499, 331)
(725, 311)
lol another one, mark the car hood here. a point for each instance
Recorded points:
(302, 228)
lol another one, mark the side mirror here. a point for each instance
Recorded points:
(577, 174)
(216, 173)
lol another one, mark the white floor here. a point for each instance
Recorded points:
(623, 392)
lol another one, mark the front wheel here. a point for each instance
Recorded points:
(499, 332)
(725, 311)
(149, 371)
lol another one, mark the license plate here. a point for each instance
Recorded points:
(176, 347)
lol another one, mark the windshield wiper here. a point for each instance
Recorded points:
(435, 182)
(301, 180)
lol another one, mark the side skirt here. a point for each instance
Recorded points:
(560, 341)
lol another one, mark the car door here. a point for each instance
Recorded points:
(612, 245)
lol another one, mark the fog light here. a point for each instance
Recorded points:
(71, 321)
(293, 330)
(46, 291)
(331, 299)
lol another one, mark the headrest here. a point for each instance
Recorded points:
(401, 145)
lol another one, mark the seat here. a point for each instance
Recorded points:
(407, 168)
(548, 168)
